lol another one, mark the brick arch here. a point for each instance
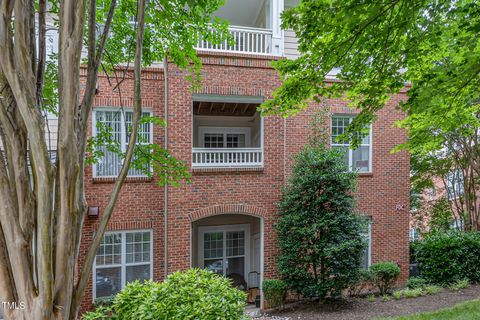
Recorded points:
(227, 209)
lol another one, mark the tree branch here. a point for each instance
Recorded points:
(90, 257)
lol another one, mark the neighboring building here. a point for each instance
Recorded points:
(224, 219)
(451, 188)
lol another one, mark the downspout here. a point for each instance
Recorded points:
(165, 208)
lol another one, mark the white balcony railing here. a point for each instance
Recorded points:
(246, 40)
(227, 157)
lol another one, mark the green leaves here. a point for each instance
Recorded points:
(319, 234)
(379, 46)
(194, 294)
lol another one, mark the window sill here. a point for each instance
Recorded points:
(127, 180)
(226, 169)
(365, 174)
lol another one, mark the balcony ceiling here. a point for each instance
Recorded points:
(224, 109)
(241, 12)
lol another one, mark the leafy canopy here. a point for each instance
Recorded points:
(378, 47)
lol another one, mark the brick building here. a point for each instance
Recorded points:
(224, 219)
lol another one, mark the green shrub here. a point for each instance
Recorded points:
(444, 258)
(397, 294)
(459, 284)
(194, 294)
(385, 275)
(275, 292)
(416, 282)
(100, 313)
(319, 232)
(385, 298)
(103, 302)
(412, 293)
(371, 298)
(432, 289)
(363, 284)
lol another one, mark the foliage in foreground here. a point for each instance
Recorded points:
(319, 233)
(194, 294)
(385, 275)
(465, 311)
(275, 292)
(444, 258)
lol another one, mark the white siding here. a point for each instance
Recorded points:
(290, 44)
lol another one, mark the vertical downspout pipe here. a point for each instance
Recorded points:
(165, 208)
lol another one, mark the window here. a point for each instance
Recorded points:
(122, 257)
(358, 159)
(118, 123)
(457, 224)
(215, 137)
(454, 181)
(365, 257)
(413, 234)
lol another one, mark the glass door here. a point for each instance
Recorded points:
(224, 251)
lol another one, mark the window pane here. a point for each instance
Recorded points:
(138, 273)
(361, 159)
(365, 254)
(344, 151)
(108, 281)
(110, 163)
(213, 245)
(137, 250)
(109, 251)
(213, 140)
(235, 243)
(215, 266)
(235, 140)
(236, 266)
(338, 127)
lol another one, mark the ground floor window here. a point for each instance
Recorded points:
(121, 258)
(365, 257)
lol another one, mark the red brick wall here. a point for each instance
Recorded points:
(383, 194)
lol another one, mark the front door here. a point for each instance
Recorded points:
(224, 249)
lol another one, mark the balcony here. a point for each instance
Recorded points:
(255, 27)
(246, 40)
(227, 157)
(227, 132)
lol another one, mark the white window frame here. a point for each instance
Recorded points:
(123, 143)
(123, 259)
(225, 228)
(224, 130)
(369, 247)
(350, 151)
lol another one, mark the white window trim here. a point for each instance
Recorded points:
(350, 151)
(224, 228)
(224, 130)
(123, 264)
(122, 135)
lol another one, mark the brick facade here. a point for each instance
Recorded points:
(383, 195)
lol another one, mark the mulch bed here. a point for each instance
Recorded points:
(362, 309)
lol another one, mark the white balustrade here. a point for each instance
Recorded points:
(227, 157)
(245, 40)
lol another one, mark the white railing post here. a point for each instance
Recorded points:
(227, 157)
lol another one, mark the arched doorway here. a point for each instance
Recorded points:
(230, 245)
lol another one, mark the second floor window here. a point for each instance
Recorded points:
(454, 180)
(358, 159)
(117, 123)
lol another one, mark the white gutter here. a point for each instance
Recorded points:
(165, 208)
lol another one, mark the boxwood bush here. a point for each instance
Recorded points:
(385, 275)
(444, 258)
(275, 292)
(194, 294)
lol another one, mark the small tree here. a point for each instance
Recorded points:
(319, 233)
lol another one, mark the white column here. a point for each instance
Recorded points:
(276, 9)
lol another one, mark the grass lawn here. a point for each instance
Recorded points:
(465, 311)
